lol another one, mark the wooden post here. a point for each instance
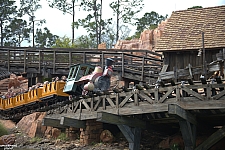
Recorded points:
(54, 60)
(204, 62)
(70, 58)
(24, 60)
(122, 64)
(8, 60)
(213, 139)
(39, 66)
(187, 125)
(102, 60)
(188, 133)
(224, 62)
(84, 57)
(133, 136)
(142, 69)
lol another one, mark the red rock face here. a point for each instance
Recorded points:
(14, 82)
(7, 139)
(8, 124)
(32, 124)
(147, 41)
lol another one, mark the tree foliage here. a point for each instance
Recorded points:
(45, 38)
(7, 12)
(93, 22)
(84, 41)
(14, 29)
(195, 7)
(29, 7)
(125, 11)
(109, 37)
(148, 21)
(63, 42)
(66, 6)
(17, 32)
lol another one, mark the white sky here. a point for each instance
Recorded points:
(60, 24)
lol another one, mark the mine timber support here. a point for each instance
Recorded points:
(156, 105)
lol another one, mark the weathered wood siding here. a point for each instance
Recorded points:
(181, 59)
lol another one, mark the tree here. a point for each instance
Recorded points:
(29, 7)
(45, 38)
(7, 11)
(195, 7)
(148, 21)
(84, 41)
(93, 22)
(66, 6)
(109, 37)
(125, 10)
(17, 32)
(63, 42)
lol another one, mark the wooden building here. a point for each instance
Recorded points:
(182, 39)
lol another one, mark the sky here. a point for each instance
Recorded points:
(60, 24)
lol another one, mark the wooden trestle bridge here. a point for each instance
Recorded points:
(188, 105)
(135, 65)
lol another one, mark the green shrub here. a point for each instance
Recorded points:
(63, 137)
(175, 147)
(35, 139)
(3, 130)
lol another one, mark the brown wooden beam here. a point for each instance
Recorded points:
(213, 139)
(120, 120)
(52, 122)
(177, 111)
(70, 122)
(133, 136)
(187, 125)
(188, 131)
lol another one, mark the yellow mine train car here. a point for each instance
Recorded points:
(2, 104)
(47, 92)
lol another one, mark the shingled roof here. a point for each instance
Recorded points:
(184, 29)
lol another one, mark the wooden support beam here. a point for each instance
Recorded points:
(52, 122)
(213, 139)
(133, 136)
(190, 81)
(70, 122)
(120, 120)
(181, 114)
(187, 125)
(219, 81)
(188, 131)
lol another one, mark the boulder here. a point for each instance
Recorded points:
(51, 132)
(32, 124)
(13, 82)
(7, 139)
(8, 124)
(55, 132)
(106, 136)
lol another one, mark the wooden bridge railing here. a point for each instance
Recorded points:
(140, 62)
(149, 99)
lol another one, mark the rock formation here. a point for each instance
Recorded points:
(106, 136)
(32, 124)
(7, 139)
(147, 41)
